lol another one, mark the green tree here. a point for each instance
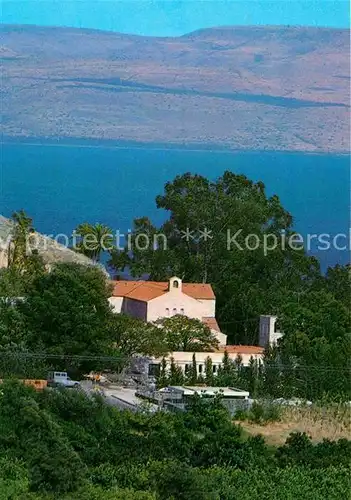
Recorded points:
(15, 282)
(240, 372)
(176, 376)
(226, 373)
(12, 330)
(39, 441)
(19, 247)
(14, 481)
(133, 336)
(67, 312)
(253, 377)
(316, 343)
(162, 379)
(94, 240)
(318, 314)
(191, 375)
(175, 480)
(337, 281)
(187, 334)
(153, 260)
(209, 371)
(11, 283)
(271, 372)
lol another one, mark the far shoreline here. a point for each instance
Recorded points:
(93, 143)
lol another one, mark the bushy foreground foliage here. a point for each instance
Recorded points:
(63, 444)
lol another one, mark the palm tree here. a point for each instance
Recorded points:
(18, 249)
(95, 239)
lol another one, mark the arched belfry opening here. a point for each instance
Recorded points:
(175, 284)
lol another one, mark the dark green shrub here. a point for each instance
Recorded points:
(257, 413)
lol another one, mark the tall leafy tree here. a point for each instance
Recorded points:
(209, 378)
(175, 376)
(67, 311)
(133, 336)
(19, 246)
(317, 314)
(94, 240)
(11, 283)
(162, 378)
(192, 372)
(337, 281)
(187, 334)
(226, 375)
(317, 341)
(216, 233)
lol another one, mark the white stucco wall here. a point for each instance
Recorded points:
(208, 307)
(221, 337)
(175, 302)
(116, 303)
(267, 333)
(185, 358)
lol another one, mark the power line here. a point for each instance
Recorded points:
(73, 357)
(65, 357)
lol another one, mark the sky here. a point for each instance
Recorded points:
(173, 17)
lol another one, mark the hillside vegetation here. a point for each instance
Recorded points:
(64, 445)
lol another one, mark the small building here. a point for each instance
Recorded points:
(184, 360)
(178, 397)
(269, 332)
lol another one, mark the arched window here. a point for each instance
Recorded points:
(276, 327)
(181, 311)
(175, 284)
(167, 311)
(174, 310)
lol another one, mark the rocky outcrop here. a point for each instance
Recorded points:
(51, 251)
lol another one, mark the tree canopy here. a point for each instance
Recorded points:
(64, 444)
(66, 311)
(93, 240)
(209, 237)
(133, 336)
(187, 334)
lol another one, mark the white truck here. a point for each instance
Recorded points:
(56, 379)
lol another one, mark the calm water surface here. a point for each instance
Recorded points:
(61, 186)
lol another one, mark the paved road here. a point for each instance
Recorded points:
(119, 397)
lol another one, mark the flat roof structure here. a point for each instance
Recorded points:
(125, 398)
(227, 392)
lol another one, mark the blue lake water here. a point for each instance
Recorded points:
(61, 186)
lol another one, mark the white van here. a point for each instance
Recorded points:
(61, 378)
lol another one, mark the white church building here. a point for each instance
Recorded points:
(151, 300)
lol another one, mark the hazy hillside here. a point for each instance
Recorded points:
(239, 87)
(50, 250)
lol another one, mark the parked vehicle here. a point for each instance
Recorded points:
(97, 378)
(61, 379)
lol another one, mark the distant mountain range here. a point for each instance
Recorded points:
(245, 88)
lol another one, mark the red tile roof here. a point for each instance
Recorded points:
(148, 290)
(211, 323)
